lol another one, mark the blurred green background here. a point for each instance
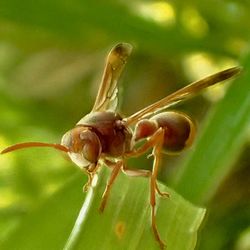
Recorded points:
(51, 60)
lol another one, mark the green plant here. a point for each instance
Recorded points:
(51, 53)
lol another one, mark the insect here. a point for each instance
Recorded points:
(104, 137)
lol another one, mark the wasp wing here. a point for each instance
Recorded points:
(182, 94)
(107, 94)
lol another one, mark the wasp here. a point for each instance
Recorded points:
(104, 137)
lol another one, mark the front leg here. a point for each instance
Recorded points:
(115, 171)
(91, 171)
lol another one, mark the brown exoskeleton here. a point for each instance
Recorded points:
(103, 136)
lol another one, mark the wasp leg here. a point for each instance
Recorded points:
(155, 142)
(141, 150)
(91, 171)
(158, 139)
(162, 194)
(115, 171)
(88, 183)
(150, 143)
(143, 173)
(136, 172)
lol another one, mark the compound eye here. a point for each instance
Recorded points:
(67, 140)
(91, 149)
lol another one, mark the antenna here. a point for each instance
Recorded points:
(34, 144)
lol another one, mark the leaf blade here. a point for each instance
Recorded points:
(126, 219)
(125, 223)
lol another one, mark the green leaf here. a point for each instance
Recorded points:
(125, 223)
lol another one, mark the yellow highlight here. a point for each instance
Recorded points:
(8, 197)
(194, 22)
(6, 164)
(6, 161)
(238, 45)
(160, 12)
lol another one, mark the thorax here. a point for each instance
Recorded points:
(114, 136)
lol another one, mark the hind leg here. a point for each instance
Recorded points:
(153, 183)
(155, 142)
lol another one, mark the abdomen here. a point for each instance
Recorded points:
(178, 130)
